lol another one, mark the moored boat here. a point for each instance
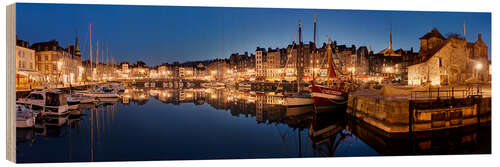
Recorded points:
(83, 99)
(328, 97)
(334, 94)
(102, 93)
(48, 102)
(72, 102)
(24, 117)
(296, 100)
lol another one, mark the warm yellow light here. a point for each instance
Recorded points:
(59, 65)
(479, 66)
(80, 68)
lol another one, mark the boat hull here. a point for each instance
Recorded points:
(326, 98)
(298, 101)
(25, 123)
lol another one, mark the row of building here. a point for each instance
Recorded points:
(440, 61)
(47, 63)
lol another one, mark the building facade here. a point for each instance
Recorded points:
(449, 61)
(26, 75)
(58, 65)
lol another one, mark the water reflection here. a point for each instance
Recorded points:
(159, 124)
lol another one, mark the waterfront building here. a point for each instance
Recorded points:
(448, 61)
(291, 62)
(273, 65)
(361, 64)
(26, 75)
(58, 65)
(241, 64)
(139, 71)
(185, 72)
(200, 72)
(218, 70)
(123, 70)
(260, 58)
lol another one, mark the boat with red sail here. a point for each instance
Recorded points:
(335, 93)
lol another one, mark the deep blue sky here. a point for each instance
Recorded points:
(157, 34)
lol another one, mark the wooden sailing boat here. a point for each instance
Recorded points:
(335, 93)
(301, 98)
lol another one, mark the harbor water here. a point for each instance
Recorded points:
(192, 124)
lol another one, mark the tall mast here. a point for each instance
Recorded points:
(299, 59)
(91, 71)
(107, 60)
(97, 60)
(315, 27)
(329, 54)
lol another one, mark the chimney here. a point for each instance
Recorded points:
(479, 37)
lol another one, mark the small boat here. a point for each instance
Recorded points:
(76, 112)
(83, 99)
(296, 100)
(24, 117)
(103, 93)
(72, 102)
(117, 86)
(47, 102)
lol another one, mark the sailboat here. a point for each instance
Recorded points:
(335, 93)
(300, 98)
(102, 92)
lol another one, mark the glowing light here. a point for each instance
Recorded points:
(479, 66)
(59, 65)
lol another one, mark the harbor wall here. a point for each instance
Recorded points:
(393, 116)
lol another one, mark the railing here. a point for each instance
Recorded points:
(439, 98)
(437, 93)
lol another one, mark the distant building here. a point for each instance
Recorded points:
(448, 61)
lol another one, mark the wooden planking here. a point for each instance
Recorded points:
(11, 83)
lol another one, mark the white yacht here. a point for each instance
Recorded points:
(47, 102)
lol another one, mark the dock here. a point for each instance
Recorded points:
(422, 110)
